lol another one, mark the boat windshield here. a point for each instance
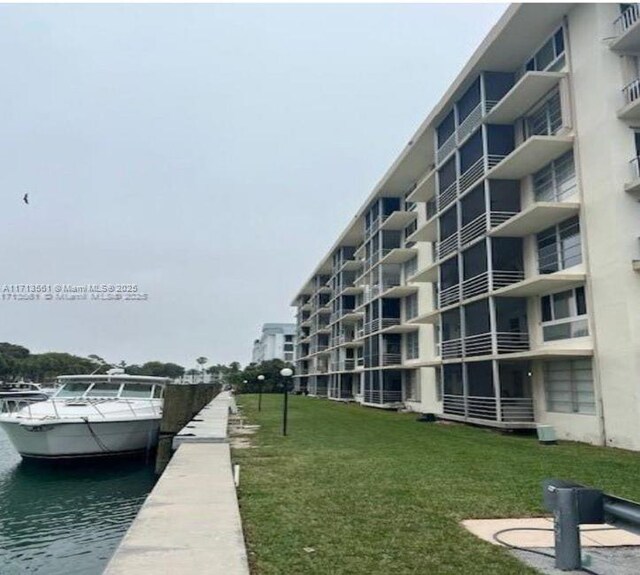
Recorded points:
(73, 389)
(142, 390)
(104, 389)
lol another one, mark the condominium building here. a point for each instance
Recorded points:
(276, 342)
(492, 276)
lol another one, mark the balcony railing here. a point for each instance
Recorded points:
(391, 358)
(510, 409)
(343, 365)
(449, 296)
(448, 195)
(472, 174)
(626, 19)
(480, 225)
(447, 147)
(631, 91)
(382, 397)
(480, 283)
(512, 342)
(635, 167)
(447, 246)
(470, 123)
(380, 324)
(451, 348)
(478, 344)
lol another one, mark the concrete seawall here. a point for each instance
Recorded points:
(190, 522)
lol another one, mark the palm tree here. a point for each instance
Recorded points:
(201, 362)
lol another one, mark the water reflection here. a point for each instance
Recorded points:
(65, 519)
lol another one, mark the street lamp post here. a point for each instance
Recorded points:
(260, 380)
(286, 373)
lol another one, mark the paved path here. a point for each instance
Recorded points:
(190, 522)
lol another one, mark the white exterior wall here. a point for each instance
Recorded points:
(610, 219)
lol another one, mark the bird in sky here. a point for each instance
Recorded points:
(25, 199)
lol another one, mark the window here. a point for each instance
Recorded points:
(564, 315)
(412, 385)
(288, 338)
(569, 386)
(559, 247)
(550, 56)
(411, 306)
(546, 120)
(556, 180)
(412, 345)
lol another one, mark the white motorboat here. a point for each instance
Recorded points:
(89, 416)
(21, 390)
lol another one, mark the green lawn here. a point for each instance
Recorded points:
(378, 492)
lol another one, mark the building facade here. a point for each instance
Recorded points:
(492, 276)
(276, 342)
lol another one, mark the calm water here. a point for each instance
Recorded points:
(62, 520)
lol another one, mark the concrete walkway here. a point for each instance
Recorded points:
(190, 522)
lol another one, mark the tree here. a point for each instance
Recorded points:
(201, 361)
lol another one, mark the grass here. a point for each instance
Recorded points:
(375, 492)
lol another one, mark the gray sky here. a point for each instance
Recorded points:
(209, 154)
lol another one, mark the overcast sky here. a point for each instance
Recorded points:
(209, 154)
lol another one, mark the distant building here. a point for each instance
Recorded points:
(276, 342)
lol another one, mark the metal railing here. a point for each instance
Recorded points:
(631, 91)
(470, 123)
(511, 342)
(478, 344)
(472, 174)
(451, 348)
(380, 324)
(391, 358)
(573, 504)
(626, 19)
(473, 229)
(446, 148)
(494, 159)
(448, 195)
(503, 409)
(449, 296)
(635, 167)
(447, 246)
(382, 397)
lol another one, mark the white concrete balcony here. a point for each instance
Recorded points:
(543, 284)
(397, 255)
(530, 156)
(627, 30)
(399, 291)
(427, 274)
(427, 232)
(398, 220)
(537, 217)
(425, 189)
(526, 92)
(631, 109)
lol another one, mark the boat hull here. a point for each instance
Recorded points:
(71, 440)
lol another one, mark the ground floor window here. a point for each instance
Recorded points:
(569, 386)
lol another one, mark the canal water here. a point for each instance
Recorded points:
(65, 520)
